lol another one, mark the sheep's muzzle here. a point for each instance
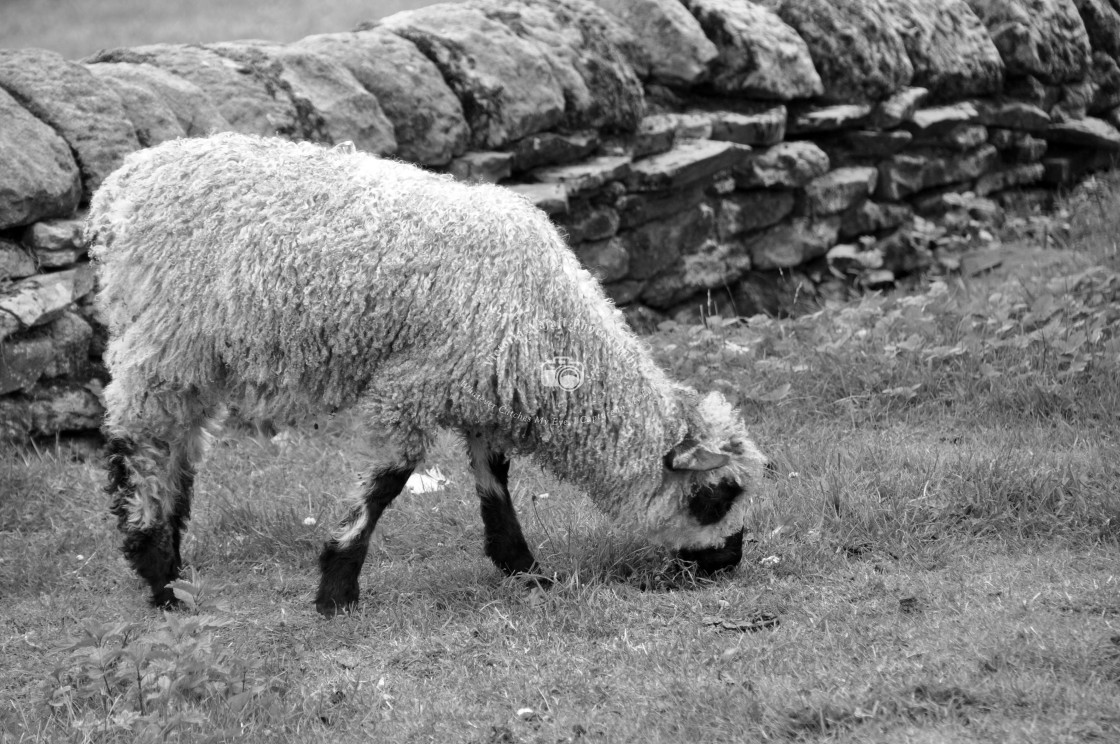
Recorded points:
(716, 559)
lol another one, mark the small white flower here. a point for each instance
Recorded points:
(310, 521)
(427, 482)
(79, 557)
(770, 561)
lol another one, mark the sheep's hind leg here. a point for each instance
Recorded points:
(342, 557)
(150, 481)
(505, 543)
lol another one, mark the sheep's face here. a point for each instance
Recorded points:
(711, 476)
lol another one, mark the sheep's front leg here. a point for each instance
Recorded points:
(342, 557)
(151, 499)
(505, 543)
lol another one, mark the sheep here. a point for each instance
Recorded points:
(291, 280)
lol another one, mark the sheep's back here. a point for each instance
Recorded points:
(292, 266)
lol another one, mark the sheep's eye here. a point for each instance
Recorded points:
(709, 504)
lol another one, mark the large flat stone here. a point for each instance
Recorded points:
(962, 137)
(636, 209)
(1104, 78)
(909, 173)
(587, 223)
(506, 88)
(582, 178)
(656, 134)
(152, 119)
(688, 162)
(64, 408)
(930, 121)
(15, 262)
(624, 291)
(764, 127)
(1070, 167)
(48, 412)
(606, 259)
(482, 167)
(40, 299)
(1017, 146)
(869, 217)
(83, 109)
(552, 148)
(1087, 132)
(818, 120)
(331, 106)
(759, 55)
(427, 117)
(901, 175)
(1012, 115)
(601, 89)
(252, 104)
(655, 245)
(793, 243)
(839, 189)
(745, 211)
(863, 145)
(195, 111)
(1102, 22)
(952, 52)
(70, 336)
(956, 168)
(713, 265)
(1043, 38)
(898, 108)
(855, 47)
(55, 243)
(23, 362)
(675, 45)
(552, 198)
(39, 177)
(1005, 178)
(786, 165)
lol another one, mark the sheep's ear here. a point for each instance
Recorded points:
(689, 455)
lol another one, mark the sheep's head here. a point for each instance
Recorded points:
(710, 477)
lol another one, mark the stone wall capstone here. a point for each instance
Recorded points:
(746, 156)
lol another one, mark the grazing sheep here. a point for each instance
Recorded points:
(289, 280)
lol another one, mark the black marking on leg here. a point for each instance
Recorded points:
(181, 512)
(119, 485)
(154, 555)
(153, 551)
(504, 542)
(340, 565)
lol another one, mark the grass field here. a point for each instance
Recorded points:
(77, 28)
(936, 561)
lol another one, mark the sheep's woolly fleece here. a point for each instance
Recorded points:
(298, 280)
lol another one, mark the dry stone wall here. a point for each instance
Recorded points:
(732, 153)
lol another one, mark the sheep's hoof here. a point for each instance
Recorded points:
(336, 599)
(538, 581)
(330, 608)
(165, 599)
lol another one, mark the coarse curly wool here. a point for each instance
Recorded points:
(292, 280)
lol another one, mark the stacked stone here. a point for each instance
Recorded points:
(739, 155)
